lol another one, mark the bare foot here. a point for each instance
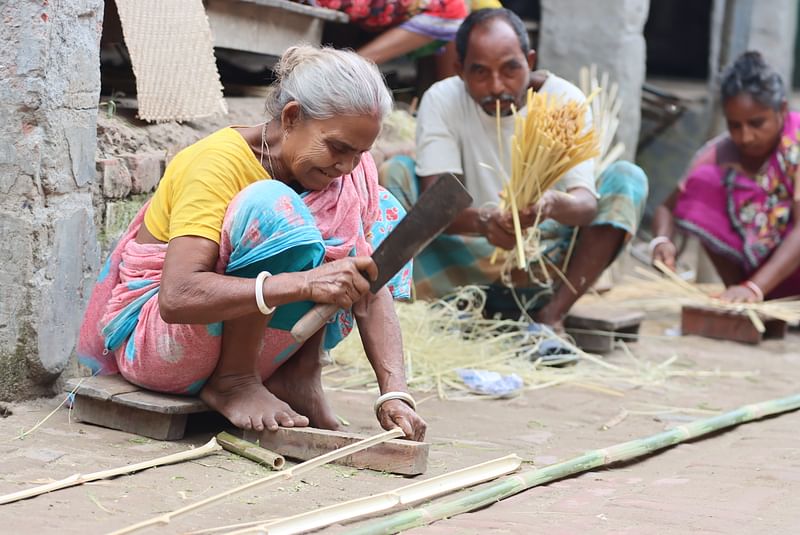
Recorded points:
(299, 383)
(554, 321)
(244, 401)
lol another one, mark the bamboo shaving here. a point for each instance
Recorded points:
(443, 336)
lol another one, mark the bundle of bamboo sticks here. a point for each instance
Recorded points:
(547, 142)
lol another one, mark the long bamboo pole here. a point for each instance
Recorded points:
(531, 478)
(283, 475)
(80, 479)
(370, 505)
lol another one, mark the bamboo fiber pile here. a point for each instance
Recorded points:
(548, 141)
(442, 337)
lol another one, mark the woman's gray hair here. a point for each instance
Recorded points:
(752, 75)
(327, 82)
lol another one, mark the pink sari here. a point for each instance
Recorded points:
(267, 227)
(740, 217)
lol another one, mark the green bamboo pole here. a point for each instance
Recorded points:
(512, 485)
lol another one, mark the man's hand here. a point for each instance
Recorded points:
(543, 209)
(498, 228)
(396, 413)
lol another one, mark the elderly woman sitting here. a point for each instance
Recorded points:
(741, 195)
(249, 228)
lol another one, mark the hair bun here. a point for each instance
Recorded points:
(327, 82)
(293, 57)
(751, 74)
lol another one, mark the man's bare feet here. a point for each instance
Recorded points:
(248, 404)
(550, 318)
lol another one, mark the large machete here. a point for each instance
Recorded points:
(436, 208)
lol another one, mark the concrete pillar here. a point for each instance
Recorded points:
(49, 90)
(577, 33)
(772, 32)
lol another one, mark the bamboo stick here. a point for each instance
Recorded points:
(80, 479)
(283, 475)
(620, 452)
(369, 505)
(251, 451)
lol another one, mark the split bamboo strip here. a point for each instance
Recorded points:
(251, 451)
(687, 293)
(80, 479)
(625, 451)
(605, 116)
(369, 505)
(284, 475)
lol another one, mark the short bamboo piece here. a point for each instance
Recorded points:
(593, 459)
(80, 479)
(369, 505)
(283, 475)
(251, 451)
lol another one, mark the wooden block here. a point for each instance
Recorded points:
(304, 443)
(161, 403)
(107, 413)
(111, 401)
(100, 386)
(728, 325)
(601, 318)
(118, 390)
(593, 343)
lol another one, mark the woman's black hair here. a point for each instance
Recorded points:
(752, 75)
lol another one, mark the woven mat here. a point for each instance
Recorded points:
(172, 52)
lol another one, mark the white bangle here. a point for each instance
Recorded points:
(402, 396)
(755, 288)
(262, 305)
(655, 242)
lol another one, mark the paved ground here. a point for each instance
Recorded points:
(745, 480)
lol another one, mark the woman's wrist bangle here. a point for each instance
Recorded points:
(402, 396)
(655, 242)
(755, 288)
(262, 305)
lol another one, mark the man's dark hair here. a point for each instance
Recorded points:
(476, 18)
(752, 75)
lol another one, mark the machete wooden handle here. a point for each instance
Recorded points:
(313, 321)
